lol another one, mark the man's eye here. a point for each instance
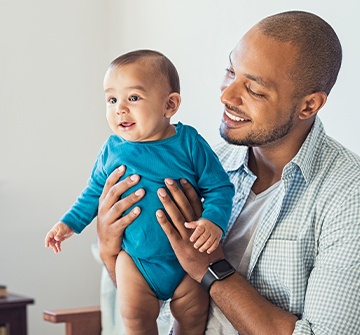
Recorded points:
(112, 100)
(230, 71)
(258, 95)
(134, 98)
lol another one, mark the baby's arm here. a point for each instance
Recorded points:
(59, 233)
(206, 235)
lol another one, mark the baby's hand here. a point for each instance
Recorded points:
(206, 235)
(59, 233)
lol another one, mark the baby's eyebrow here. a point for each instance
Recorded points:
(137, 87)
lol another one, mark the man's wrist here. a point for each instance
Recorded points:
(217, 271)
(106, 254)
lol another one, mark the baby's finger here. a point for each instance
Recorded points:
(53, 247)
(201, 241)
(58, 246)
(208, 243)
(48, 238)
(191, 224)
(213, 247)
(199, 231)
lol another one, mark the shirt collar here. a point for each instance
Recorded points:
(306, 156)
(238, 156)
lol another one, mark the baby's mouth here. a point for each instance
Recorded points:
(126, 124)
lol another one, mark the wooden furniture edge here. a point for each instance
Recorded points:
(79, 321)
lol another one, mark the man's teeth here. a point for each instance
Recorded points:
(233, 117)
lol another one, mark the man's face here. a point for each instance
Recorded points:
(257, 92)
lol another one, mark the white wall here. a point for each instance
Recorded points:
(52, 60)
(51, 125)
(199, 35)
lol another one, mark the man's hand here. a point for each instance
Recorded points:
(186, 207)
(111, 222)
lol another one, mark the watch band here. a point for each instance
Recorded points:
(208, 280)
(216, 271)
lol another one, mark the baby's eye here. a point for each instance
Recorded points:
(112, 100)
(134, 98)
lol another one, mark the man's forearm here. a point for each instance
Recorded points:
(248, 311)
(110, 263)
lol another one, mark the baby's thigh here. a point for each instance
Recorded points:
(189, 295)
(131, 285)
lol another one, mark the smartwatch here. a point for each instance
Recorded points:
(216, 271)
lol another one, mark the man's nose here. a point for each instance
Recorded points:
(230, 93)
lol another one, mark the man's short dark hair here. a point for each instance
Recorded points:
(319, 59)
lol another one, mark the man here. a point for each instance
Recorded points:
(294, 234)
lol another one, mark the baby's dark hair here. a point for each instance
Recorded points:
(160, 63)
(319, 59)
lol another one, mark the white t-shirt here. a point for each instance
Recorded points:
(238, 248)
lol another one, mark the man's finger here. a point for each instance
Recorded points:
(182, 202)
(192, 197)
(168, 228)
(120, 187)
(112, 180)
(124, 204)
(113, 189)
(174, 213)
(125, 221)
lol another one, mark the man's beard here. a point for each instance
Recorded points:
(261, 137)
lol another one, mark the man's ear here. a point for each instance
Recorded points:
(312, 103)
(172, 104)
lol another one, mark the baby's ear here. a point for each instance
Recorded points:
(172, 104)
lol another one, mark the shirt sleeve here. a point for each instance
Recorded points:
(214, 184)
(332, 301)
(84, 210)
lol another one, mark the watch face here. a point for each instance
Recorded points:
(222, 268)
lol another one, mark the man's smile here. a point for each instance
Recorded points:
(233, 117)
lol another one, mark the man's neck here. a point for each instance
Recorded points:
(267, 162)
(268, 169)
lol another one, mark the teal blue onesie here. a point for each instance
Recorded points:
(184, 155)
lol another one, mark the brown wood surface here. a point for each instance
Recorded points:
(78, 321)
(13, 313)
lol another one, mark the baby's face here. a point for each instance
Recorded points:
(136, 102)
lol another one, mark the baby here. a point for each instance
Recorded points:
(142, 92)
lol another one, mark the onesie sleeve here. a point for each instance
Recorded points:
(213, 182)
(84, 210)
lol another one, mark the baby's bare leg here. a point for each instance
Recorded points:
(189, 307)
(139, 306)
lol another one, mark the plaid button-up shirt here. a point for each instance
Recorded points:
(306, 253)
